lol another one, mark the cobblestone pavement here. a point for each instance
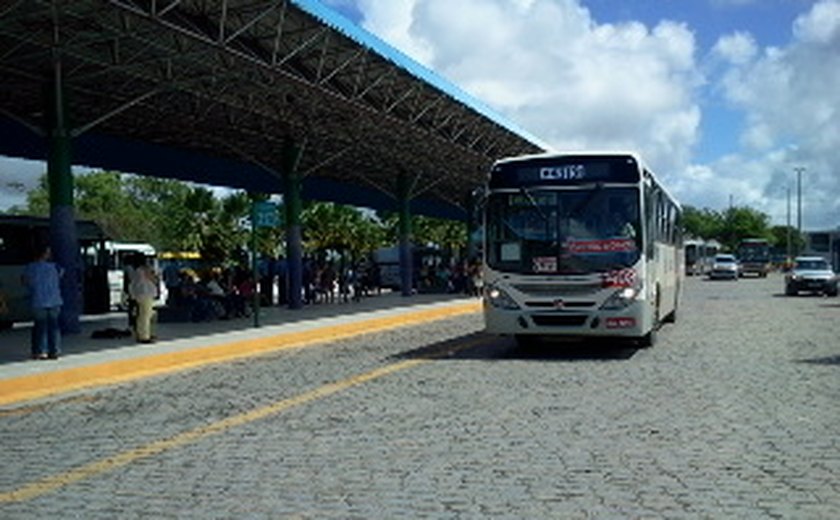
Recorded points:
(734, 414)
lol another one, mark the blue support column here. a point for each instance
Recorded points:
(293, 205)
(63, 235)
(471, 225)
(404, 210)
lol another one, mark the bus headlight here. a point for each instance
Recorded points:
(621, 298)
(499, 298)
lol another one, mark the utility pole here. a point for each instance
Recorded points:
(789, 258)
(798, 170)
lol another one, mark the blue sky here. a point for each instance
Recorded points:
(770, 22)
(722, 97)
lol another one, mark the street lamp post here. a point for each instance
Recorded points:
(788, 259)
(798, 170)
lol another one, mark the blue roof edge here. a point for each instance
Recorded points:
(400, 59)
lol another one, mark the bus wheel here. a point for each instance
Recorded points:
(672, 316)
(648, 340)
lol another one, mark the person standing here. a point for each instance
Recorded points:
(144, 289)
(41, 277)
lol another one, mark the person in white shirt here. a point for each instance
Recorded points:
(143, 288)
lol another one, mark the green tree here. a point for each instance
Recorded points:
(100, 196)
(450, 236)
(162, 203)
(702, 223)
(213, 227)
(779, 239)
(728, 227)
(340, 228)
(170, 215)
(741, 223)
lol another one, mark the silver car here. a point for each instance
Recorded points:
(724, 267)
(813, 274)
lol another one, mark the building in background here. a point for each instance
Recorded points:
(825, 244)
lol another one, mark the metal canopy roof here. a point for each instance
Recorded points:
(209, 91)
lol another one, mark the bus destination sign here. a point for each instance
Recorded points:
(569, 172)
(566, 170)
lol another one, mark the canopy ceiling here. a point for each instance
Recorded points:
(209, 91)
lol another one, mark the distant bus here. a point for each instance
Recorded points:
(699, 254)
(579, 245)
(20, 237)
(754, 256)
(694, 255)
(119, 257)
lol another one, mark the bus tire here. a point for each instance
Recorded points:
(672, 316)
(649, 339)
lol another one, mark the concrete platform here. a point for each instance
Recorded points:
(88, 362)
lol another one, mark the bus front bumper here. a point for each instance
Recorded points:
(628, 322)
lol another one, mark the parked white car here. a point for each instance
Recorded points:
(724, 267)
(811, 273)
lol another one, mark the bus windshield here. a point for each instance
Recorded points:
(754, 251)
(578, 231)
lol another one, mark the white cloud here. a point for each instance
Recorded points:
(392, 21)
(17, 177)
(738, 48)
(760, 182)
(554, 70)
(821, 25)
(548, 66)
(790, 95)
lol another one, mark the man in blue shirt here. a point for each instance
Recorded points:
(41, 277)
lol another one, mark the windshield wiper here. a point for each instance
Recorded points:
(534, 203)
(599, 188)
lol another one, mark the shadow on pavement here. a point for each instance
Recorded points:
(801, 295)
(831, 360)
(485, 347)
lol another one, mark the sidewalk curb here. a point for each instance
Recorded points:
(30, 387)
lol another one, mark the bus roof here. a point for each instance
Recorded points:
(130, 246)
(606, 154)
(573, 153)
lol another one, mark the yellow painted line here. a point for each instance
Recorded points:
(92, 469)
(35, 386)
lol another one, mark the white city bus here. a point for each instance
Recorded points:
(700, 255)
(120, 255)
(580, 245)
(20, 238)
